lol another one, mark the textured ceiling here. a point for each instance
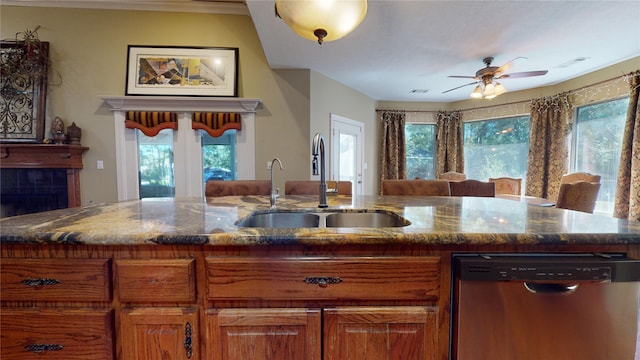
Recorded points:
(403, 46)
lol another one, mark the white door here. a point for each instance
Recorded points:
(346, 153)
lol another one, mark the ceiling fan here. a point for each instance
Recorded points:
(485, 78)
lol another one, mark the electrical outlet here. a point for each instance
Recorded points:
(268, 165)
(100, 165)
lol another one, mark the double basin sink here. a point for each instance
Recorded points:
(323, 219)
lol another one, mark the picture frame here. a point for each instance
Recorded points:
(182, 71)
(24, 97)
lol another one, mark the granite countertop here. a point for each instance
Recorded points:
(212, 221)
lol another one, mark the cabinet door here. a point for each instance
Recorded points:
(159, 334)
(381, 333)
(263, 334)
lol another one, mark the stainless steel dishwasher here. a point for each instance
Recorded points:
(545, 307)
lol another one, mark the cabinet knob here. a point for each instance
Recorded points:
(322, 281)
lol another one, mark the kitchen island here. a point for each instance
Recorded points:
(165, 278)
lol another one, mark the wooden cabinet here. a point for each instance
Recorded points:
(350, 332)
(263, 334)
(159, 317)
(56, 334)
(56, 309)
(159, 333)
(115, 303)
(381, 333)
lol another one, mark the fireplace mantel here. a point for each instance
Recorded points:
(47, 156)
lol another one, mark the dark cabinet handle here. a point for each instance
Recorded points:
(39, 282)
(188, 346)
(38, 348)
(322, 281)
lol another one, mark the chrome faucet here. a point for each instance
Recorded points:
(318, 149)
(275, 192)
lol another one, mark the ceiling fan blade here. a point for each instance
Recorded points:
(461, 86)
(462, 77)
(523, 74)
(507, 65)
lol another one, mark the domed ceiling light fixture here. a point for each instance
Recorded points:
(322, 20)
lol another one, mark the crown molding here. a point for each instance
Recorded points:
(195, 6)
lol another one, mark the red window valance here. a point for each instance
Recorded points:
(151, 122)
(215, 124)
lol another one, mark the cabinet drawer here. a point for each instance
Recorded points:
(157, 280)
(402, 278)
(56, 279)
(56, 334)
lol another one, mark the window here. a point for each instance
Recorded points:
(155, 159)
(496, 148)
(219, 156)
(420, 147)
(187, 149)
(598, 134)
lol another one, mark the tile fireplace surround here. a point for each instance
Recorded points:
(39, 177)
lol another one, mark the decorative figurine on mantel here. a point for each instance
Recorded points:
(57, 130)
(74, 133)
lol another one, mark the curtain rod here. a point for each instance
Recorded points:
(517, 102)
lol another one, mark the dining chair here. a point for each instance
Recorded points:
(507, 185)
(579, 176)
(452, 176)
(416, 187)
(578, 195)
(472, 188)
(311, 187)
(215, 188)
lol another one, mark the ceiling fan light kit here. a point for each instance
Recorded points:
(322, 20)
(487, 87)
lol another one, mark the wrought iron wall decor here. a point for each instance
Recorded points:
(23, 89)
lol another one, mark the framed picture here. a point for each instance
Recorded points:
(182, 71)
(23, 80)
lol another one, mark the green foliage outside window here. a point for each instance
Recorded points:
(496, 148)
(598, 142)
(420, 147)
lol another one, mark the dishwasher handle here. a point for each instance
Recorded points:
(550, 288)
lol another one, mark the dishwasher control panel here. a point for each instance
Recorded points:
(559, 267)
(541, 272)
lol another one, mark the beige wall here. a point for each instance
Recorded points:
(330, 97)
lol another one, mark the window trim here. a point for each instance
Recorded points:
(187, 147)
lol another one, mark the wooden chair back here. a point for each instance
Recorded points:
(452, 176)
(472, 188)
(579, 176)
(416, 187)
(215, 188)
(507, 185)
(578, 195)
(311, 187)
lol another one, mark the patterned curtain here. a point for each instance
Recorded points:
(215, 124)
(151, 122)
(550, 126)
(449, 142)
(392, 149)
(627, 203)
